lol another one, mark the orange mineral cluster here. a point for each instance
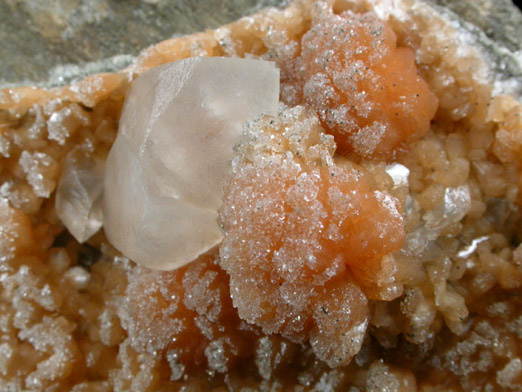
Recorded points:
(186, 316)
(305, 237)
(365, 89)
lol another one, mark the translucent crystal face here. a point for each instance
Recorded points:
(79, 195)
(175, 144)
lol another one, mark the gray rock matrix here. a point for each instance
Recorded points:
(50, 43)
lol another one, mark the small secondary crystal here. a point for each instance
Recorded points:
(165, 170)
(79, 195)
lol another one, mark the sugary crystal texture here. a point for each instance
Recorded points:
(306, 238)
(364, 88)
(186, 316)
(164, 174)
(79, 195)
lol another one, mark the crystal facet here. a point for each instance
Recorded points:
(79, 195)
(174, 147)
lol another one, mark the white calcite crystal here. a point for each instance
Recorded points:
(165, 171)
(79, 194)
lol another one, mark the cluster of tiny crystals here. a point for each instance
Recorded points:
(305, 236)
(364, 88)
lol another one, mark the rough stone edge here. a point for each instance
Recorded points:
(505, 65)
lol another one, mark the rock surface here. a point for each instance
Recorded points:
(56, 41)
